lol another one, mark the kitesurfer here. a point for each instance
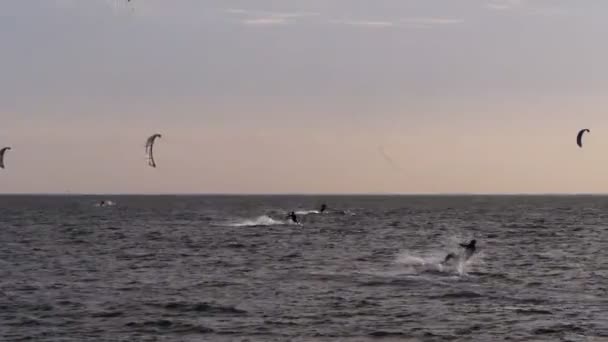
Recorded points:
(323, 208)
(469, 249)
(448, 257)
(292, 216)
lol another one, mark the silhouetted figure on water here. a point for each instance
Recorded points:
(292, 216)
(469, 250)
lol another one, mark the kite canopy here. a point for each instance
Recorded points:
(2, 153)
(150, 147)
(579, 137)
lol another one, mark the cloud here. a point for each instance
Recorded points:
(433, 21)
(409, 22)
(525, 8)
(265, 21)
(245, 12)
(365, 23)
(430, 22)
(504, 5)
(256, 17)
(269, 18)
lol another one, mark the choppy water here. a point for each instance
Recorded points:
(228, 269)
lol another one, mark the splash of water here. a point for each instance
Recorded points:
(260, 221)
(434, 262)
(307, 212)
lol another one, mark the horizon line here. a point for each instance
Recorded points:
(311, 194)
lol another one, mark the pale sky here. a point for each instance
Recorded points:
(304, 96)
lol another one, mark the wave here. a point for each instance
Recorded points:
(327, 211)
(382, 333)
(165, 325)
(307, 212)
(458, 295)
(558, 329)
(107, 314)
(533, 312)
(345, 212)
(203, 307)
(261, 221)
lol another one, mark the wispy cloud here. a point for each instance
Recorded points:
(75, 5)
(256, 17)
(430, 22)
(408, 23)
(247, 12)
(504, 5)
(265, 21)
(524, 7)
(365, 23)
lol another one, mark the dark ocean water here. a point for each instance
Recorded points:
(179, 268)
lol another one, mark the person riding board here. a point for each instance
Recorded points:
(292, 216)
(469, 250)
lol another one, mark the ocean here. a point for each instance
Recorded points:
(232, 268)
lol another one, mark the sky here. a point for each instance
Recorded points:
(293, 96)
